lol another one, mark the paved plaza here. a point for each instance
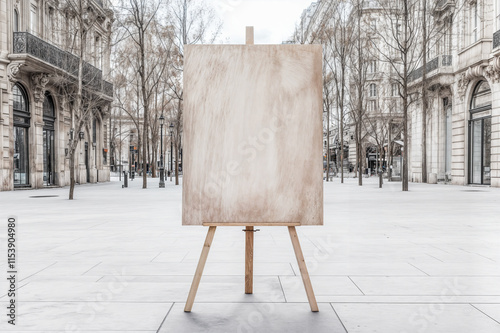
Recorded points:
(118, 260)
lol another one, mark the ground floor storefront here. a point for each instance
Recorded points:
(36, 128)
(462, 130)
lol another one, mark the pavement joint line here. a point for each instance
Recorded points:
(17, 288)
(356, 285)
(165, 318)
(38, 272)
(282, 290)
(419, 269)
(88, 270)
(485, 257)
(434, 257)
(291, 266)
(259, 302)
(484, 312)
(99, 279)
(338, 317)
(156, 256)
(182, 260)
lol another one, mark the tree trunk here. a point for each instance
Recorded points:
(328, 144)
(71, 174)
(176, 164)
(78, 107)
(424, 92)
(359, 121)
(405, 100)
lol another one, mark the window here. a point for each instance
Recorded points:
(98, 51)
(373, 90)
(497, 15)
(34, 20)
(372, 106)
(21, 130)
(94, 131)
(480, 135)
(395, 90)
(448, 137)
(398, 29)
(49, 152)
(372, 67)
(474, 22)
(16, 21)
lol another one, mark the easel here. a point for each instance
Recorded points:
(249, 238)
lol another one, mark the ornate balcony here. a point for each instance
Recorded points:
(26, 43)
(440, 61)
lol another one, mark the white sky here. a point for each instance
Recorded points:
(273, 20)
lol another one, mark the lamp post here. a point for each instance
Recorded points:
(171, 150)
(162, 172)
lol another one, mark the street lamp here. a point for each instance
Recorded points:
(162, 172)
(171, 150)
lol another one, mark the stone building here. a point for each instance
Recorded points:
(38, 51)
(382, 104)
(463, 81)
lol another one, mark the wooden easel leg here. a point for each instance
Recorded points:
(303, 269)
(249, 260)
(199, 269)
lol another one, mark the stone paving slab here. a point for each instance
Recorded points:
(270, 317)
(88, 316)
(118, 260)
(409, 318)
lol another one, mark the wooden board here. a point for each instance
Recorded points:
(253, 134)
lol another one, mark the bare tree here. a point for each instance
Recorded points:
(140, 21)
(397, 45)
(358, 68)
(193, 22)
(80, 84)
(340, 41)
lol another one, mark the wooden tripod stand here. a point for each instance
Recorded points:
(249, 231)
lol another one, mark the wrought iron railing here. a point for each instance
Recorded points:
(25, 42)
(496, 39)
(440, 61)
(107, 88)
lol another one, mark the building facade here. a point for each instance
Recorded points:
(463, 84)
(382, 113)
(38, 51)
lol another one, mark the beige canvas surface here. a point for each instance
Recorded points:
(252, 149)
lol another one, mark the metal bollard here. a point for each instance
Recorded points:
(380, 180)
(125, 179)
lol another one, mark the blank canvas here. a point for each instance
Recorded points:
(253, 134)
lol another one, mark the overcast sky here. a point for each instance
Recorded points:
(273, 20)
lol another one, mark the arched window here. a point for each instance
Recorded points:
(480, 135)
(16, 21)
(20, 100)
(21, 139)
(48, 106)
(481, 98)
(373, 90)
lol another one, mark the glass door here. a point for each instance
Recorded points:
(448, 140)
(21, 160)
(480, 151)
(48, 157)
